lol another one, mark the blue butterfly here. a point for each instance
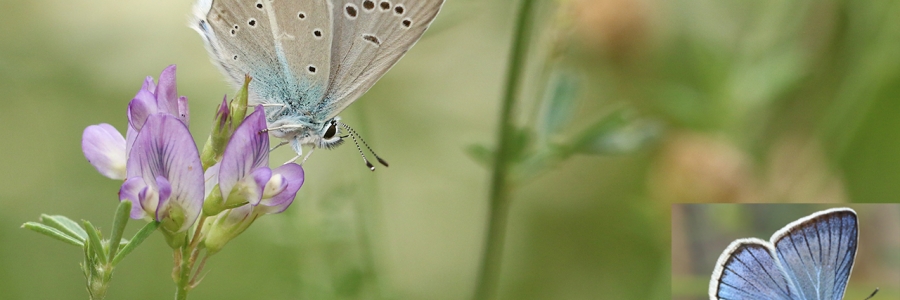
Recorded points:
(810, 258)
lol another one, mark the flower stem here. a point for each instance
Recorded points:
(500, 189)
(182, 281)
(185, 257)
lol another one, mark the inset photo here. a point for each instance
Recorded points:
(785, 251)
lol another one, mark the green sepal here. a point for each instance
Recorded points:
(174, 239)
(221, 229)
(65, 225)
(208, 156)
(52, 232)
(138, 238)
(123, 213)
(214, 203)
(94, 240)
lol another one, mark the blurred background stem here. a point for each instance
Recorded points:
(498, 208)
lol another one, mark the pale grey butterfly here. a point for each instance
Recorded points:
(310, 59)
(810, 258)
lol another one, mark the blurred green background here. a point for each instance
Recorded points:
(701, 232)
(760, 101)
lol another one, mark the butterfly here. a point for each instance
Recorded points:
(310, 59)
(810, 258)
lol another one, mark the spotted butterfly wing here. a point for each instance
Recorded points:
(810, 258)
(369, 38)
(284, 45)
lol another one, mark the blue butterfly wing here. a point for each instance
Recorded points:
(817, 252)
(748, 270)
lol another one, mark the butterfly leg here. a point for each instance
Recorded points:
(275, 105)
(307, 155)
(284, 127)
(295, 144)
(298, 156)
(278, 146)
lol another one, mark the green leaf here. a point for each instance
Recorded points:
(559, 102)
(65, 225)
(481, 154)
(629, 139)
(123, 212)
(519, 145)
(94, 239)
(520, 140)
(138, 238)
(616, 134)
(52, 232)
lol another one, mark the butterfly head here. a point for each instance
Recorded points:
(325, 135)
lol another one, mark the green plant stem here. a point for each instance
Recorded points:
(498, 208)
(184, 273)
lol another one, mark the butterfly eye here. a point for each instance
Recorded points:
(332, 130)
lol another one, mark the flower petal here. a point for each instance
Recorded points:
(142, 106)
(211, 178)
(275, 186)
(222, 114)
(149, 200)
(149, 85)
(130, 191)
(182, 111)
(164, 147)
(260, 177)
(104, 148)
(247, 150)
(166, 93)
(130, 136)
(249, 189)
(292, 174)
(165, 190)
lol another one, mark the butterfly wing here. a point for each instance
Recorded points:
(370, 37)
(284, 45)
(817, 252)
(748, 270)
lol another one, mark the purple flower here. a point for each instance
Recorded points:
(247, 187)
(107, 150)
(164, 174)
